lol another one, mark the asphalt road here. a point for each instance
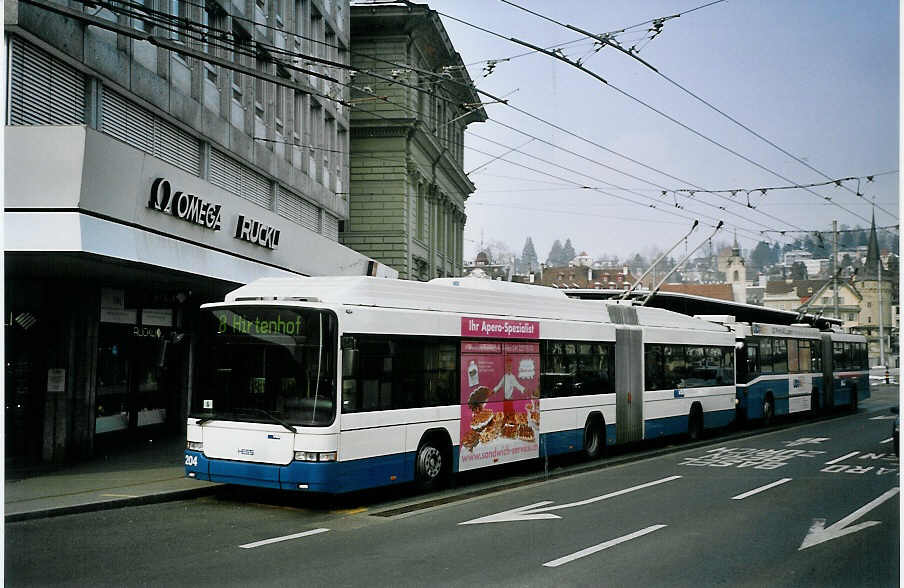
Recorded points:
(810, 504)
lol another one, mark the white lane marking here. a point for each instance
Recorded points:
(285, 538)
(889, 440)
(535, 511)
(887, 417)
(596, 548)
(842, 458)
(760, 489)
(819, 533)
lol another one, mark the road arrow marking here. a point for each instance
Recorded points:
(760, 489)
(596, 548)
(537, 511)
(819, 533)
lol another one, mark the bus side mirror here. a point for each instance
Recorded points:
(349, 363)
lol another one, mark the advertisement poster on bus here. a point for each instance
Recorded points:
(500, 402)
(800, 396)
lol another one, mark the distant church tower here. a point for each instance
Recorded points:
(735, 272)
(869, 285)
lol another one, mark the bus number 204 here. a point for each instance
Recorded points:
(191, 460)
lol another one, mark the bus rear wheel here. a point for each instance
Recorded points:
(593, 440)
(429, 466)
(695, 424)
(768, 410)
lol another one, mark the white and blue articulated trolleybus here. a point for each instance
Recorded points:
(788, 369)
(340, 384)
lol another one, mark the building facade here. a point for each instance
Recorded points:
(733, 266)
(876, 309)
(151, 166)
(412, 99)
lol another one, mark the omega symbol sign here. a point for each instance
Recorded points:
(187, 207)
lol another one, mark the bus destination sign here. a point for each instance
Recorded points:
(235, 323)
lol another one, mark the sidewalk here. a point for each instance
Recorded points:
(141, 473)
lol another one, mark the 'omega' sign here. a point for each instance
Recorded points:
(196, 210)
(188, 207)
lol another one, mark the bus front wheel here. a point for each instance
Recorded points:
(429, 465)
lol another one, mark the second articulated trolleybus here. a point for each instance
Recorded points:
(339, 384)
(786, 369)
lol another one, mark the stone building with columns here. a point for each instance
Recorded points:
(411, 101)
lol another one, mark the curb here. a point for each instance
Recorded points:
(110, 504)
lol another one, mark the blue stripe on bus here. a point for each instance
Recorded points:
(569, 441)
(348, 476)
(752, 397)
(678, 425)
(344, 476)
(665, 426)
(842, 394)
(561, 442)
(718, 418)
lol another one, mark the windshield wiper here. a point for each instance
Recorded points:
(271, 416)
(207, 419)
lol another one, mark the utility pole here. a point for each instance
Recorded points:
(834, 272)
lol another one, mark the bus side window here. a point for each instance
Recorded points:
(558, 374)
(714, 366)
(780, 356)
(753, 360)
(794, 356)
(440, 369)
(675, 366)
(696, 373)
(607, 357)
(805, 356)
(837, 356)
(727, 376)
(592, 373)
(653, 370)
(765, 361)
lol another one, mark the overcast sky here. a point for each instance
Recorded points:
(819, 78)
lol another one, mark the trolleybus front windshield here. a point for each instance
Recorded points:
(267, 364)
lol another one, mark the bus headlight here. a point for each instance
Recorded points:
(315, 456)
(194, 446)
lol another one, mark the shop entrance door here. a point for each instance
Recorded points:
(137, 381)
